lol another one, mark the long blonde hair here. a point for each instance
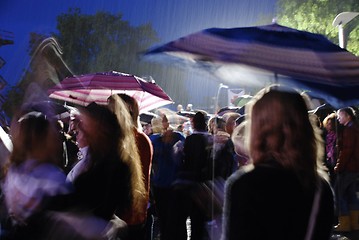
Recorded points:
(128, 151)
(281, 130)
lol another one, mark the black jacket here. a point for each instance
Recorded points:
(268, 202)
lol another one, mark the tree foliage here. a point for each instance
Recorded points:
(317, 16)
(102, 42)
(92, 43)
(105, 42)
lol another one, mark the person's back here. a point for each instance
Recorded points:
(146, 153)
(33, 174)
(138, 149)
(347, 172)
(349, 148)
(167, 156)
(268, 202)
(198, 149)
(284, 193)
(103, 187)
(166, 161)
(223, 151)
(197, 156)
(330, 137)
(197, 169)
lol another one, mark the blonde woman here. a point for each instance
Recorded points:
(127, 115)
(108, 186)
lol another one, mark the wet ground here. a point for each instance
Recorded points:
(354, 235)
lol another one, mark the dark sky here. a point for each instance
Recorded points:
(170, 18)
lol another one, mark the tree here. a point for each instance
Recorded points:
(317, 16)
(91, 43)
(105, 42)
(102, 42)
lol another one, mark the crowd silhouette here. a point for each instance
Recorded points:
(272, 172)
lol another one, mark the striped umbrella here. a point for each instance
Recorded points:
(97, 87)
(267, 54)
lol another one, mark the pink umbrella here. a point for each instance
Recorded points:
(97, 87)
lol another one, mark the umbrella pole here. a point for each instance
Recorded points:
(212, 184)
(337, 180)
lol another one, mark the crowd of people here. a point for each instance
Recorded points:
(273, 173)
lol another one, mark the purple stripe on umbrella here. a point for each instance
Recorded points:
(260, 55)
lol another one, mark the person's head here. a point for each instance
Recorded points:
(199, 121)
(329, 122)
(280, 129)
(316, 119)
(132, 106)
(100, 128)
(179, 108)
(156, 124)
(211, 125)
(189, 107)
(76, 131)
(165, 122)
(180, 128)
(147, 129)
(239, 141)
(35, 136)
(216, 124)
(125, 121)
(230, 119)
(346, 115)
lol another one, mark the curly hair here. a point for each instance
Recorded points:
(331, 118)
(281, 130)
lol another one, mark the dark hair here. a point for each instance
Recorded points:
(108, 123)
(132, 106)
(199, 122)
(220, 122)
(349, 111)
(28, 133)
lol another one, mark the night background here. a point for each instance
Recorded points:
(106, 35)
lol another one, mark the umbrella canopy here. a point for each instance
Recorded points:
(97, 87)
(174, 119)
(188, 114)
(146, 117)
(228, 109)
(262, 55)
(50, 108)
(322, 111)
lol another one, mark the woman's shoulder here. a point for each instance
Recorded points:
(243, 174)
(251, 172)
(49, 170)
(37, 169)
(200, 136)
(261, 177)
